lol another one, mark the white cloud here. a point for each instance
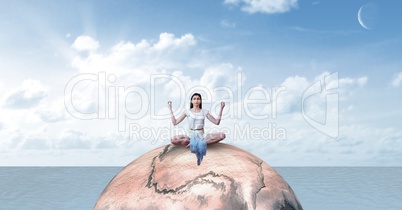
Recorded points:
(33, 143)
(28, 95)
(397, 80)
(133, 63)
(289, 100)
(172, 87)
(213, 74)
(43, 138)
(113, 140)
(362, 81)
(72, 139)
(136, 61)
(85, 43)
(390, 143)
(217, 82)
(264, 6)
(53, 111)
(10, 140)
(167, 40)
(34, 139)
(297, 92)
(80, 97)
(227, 24)
(349, 86)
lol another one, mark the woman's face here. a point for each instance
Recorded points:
(196, 100)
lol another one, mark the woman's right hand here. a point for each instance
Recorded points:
(170, 105)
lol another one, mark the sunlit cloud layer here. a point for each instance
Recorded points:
(264, 6)
(91, 89)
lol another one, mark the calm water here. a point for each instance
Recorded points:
(318, 188)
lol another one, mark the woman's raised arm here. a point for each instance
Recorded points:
(174, 120)
(218, 120)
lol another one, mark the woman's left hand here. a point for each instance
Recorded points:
(222, 104)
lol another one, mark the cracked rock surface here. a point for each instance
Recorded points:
(169, 178)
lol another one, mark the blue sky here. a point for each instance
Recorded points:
(250, 47)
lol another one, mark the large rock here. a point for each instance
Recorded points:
(168, 178)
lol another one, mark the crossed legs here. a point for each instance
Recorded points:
(183, 140)
(214, 137)
(180, 140)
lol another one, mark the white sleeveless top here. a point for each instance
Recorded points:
(196, 119)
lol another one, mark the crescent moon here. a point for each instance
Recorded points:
(368, 16)
(360, 19)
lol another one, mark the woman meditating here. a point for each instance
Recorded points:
(196, 117)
